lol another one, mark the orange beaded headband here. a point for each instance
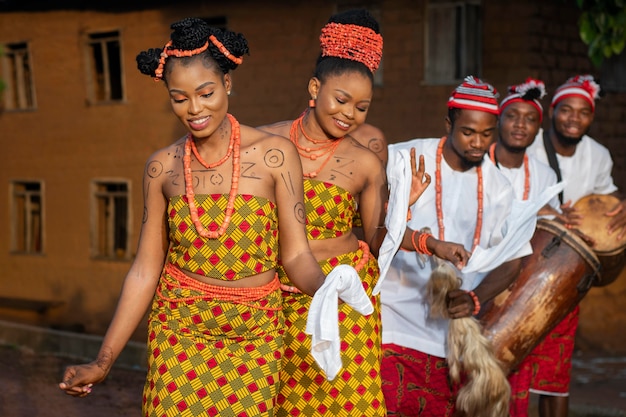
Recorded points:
(353, 42)
(223, 50)
(169, 51)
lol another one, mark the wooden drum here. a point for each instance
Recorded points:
(610, 250)
(552, 281)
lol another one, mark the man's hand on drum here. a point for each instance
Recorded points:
(570, 216)
(548, 210)
(460, 304)
(618, 224)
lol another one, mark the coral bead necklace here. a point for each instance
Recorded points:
(438, 191)
(329, 147)
(492, 156)
(234, 146)
(231, 144)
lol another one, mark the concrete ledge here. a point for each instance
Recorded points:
(82, 347)
(594, 411)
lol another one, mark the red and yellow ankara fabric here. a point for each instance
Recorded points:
(249, 246)
(210, 357)
(356, 391)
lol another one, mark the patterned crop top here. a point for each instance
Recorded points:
(249, 246)
(329, 209)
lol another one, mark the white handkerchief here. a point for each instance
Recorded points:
(520, 226)
(399, 176)
(323, 320)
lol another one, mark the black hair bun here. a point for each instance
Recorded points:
(359, 17)
(148, 61)
(190, 33)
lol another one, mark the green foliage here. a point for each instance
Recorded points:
(602, 26)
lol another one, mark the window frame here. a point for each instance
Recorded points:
(101, 37)
(18, 96)
(98, 218)
(27, 227)
(460, 53)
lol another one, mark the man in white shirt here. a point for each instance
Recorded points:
(468, 204)
(585, 166)
(520, 119)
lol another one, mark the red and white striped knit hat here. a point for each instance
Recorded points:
(531, 91)
(582, 86)
(474, 94)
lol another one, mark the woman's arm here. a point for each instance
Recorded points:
(136, 295)
(295, 253)
(373, 201)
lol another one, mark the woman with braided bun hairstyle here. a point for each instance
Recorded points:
(341, 177)
(208, 247)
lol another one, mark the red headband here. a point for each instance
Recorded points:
(530, 92)
(353, 42)
(583, 86)
(169, 51)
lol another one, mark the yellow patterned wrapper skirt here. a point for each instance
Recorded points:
(212, 354)
(356, 391)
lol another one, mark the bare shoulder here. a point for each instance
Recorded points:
(265, 141)
(372, 138)
(163, 159)
(367, 130)
(367, 133)
(369, 161)
(279, 128)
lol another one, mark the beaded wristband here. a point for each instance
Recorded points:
(422, 243)
(413, 241)
(476, 302)
(420, 246)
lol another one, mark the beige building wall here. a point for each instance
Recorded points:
(66, 142)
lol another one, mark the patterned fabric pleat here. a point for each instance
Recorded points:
(209, 357)
(356, 391)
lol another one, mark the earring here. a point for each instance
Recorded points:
(228, 93)
(312, 102)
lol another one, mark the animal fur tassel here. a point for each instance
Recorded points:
(486, 392)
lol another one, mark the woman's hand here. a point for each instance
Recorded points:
(78, 379)
(420, 179)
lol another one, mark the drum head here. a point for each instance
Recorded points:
(593, 208)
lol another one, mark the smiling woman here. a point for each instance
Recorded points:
(342, 178)
(208, 249)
